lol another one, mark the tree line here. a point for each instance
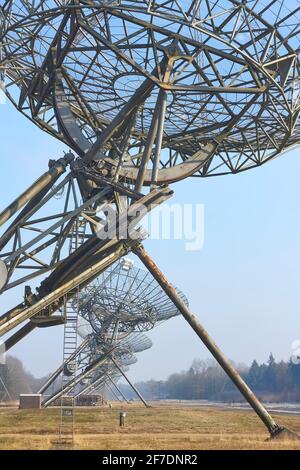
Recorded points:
(205, 380)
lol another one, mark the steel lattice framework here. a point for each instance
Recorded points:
(144, 93)
(231, 77)
(99, 362)
(115, 309)
(125, 297)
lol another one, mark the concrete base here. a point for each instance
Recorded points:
(284, 434)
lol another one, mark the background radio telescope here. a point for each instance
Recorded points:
(126, 298)
(97, 363)
(223, 74)
(114, 310)
(123, 302)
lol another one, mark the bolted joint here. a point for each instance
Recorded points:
(66, 160)
(69, 157)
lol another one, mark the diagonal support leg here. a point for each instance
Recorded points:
(275, 430)
(119, 390)
(114, 393)
(130, 383)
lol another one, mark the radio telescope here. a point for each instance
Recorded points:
(144, 94)
(126, 298)
(99, 364)
(115, 310)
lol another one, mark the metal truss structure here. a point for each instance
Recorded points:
(216, 72)
(116, 309)
(99, 364)
(125, 299)
(144, 93)
(4, 392)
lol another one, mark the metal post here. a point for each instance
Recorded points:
(160, 133)
(122, 419)
(155, 132)
(148, 146)
(269, 422)
(130, 383)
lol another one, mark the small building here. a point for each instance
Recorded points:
(30, 401)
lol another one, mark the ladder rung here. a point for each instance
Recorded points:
(70, 316)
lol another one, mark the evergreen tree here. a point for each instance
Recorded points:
(253, 377)
(270, 374)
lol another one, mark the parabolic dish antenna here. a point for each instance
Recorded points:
(219, 80)
(130, 299)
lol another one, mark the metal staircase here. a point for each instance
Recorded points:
(69, 372)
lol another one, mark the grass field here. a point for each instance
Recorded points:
(160, 427)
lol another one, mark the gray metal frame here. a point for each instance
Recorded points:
(228, 70)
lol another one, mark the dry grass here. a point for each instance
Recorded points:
(161, 427)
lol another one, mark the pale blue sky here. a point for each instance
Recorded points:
(243, 285)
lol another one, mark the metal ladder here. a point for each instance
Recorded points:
(68, 401)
